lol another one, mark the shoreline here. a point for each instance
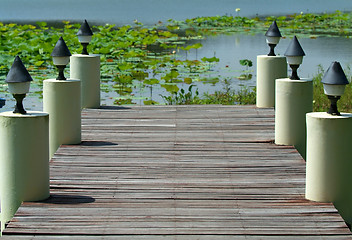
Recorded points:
(58, 23)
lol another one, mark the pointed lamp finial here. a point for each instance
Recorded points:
(294, 55)
(61, 56)
(273, 36)
(18, 80)
(85, 36)
(334, 83)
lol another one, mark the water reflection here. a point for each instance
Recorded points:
(232, 48)
(320, 51)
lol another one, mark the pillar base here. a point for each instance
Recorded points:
(294, 99)
(87, 69)
(269, 68)
(62, 100)
(24, 160)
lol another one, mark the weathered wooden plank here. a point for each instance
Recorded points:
(172, 230)
(177, 172)
(176, 237)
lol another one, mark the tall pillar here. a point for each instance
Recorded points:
(269, 68)
(294, 99)
(24, 160)
(87, 69)
(62, 100)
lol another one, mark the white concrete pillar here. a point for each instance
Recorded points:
(62, 100)
(24, 160)
(87, 69)
(269, 68)
(294, 99)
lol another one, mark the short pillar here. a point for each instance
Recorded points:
(24, 160)
(329, 153)
(87, 69)
(294, 99)
(269, 68)
(62, 100)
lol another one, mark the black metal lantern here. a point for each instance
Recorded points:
(85, 36)
(18, 80)
(273, 36)
(61, 57)
(334, 82)
(294, 55)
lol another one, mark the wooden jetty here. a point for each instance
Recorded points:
(177, 172)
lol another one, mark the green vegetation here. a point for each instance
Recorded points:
(137, 61)
(303, 24)
(243, 96)
(226, 96)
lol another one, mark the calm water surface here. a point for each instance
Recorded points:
(152, 11)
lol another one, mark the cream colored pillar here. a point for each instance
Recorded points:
(87, 69)
(269, 68)
(329, 157)
(24, 160)
(294, 99)
(343, 201)
(62, 100)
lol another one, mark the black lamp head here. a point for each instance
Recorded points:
(61, 49)
(273, 36)
(85, 30)
(334, 82)
(18, 72)
(294, 49)
(294, 55)
(61, 56)
(18, 80)
(85, 36)
(335, 75)
(273, 30)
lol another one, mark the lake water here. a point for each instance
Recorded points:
(229, 48)
(232, 48)
(151, 11)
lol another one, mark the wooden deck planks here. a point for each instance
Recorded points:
(177, 172)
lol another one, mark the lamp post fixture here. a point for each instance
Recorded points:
(334, 83)
(18, 80)
(61, 56)
(85, 36)
(294, 55)
(273, 36)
